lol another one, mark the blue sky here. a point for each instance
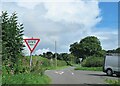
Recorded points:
(66, 21)
(109, 13)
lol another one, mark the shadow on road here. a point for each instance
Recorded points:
(102, 75)
(97, 74)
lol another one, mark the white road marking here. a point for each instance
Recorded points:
(60, 72)
(72, 73)
(56, 72)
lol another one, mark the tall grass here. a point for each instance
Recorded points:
(34, 75)
(25, 79)
(47, 63)
(113, 82)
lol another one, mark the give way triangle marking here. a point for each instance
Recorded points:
(32, 43)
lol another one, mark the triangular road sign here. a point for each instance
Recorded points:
(31, 43)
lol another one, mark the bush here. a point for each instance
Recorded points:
(93, 61)
(61, 63)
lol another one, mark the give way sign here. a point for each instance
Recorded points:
(32, 43)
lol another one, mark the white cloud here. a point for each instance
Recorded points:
(64, 21)
(0, 8)
(71, 11)
(108, 39)
(30, 5)
(74, 12)
(105, 35)
(41, 51)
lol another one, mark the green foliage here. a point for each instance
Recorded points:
(113, 82)
(0, 79)
(12, 41)
(101, 53)
(62, 56)
(74, 49)
(21, 67)
(25, 79)
(93, 62)
(15, 67)
(41, 64)
(35, 76)
(72, 58)
(61, 63)
(49, 55)
(88, 46)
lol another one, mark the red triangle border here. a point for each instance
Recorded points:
(31, 50)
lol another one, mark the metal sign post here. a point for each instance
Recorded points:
(30, 61)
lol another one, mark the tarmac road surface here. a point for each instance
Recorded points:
(71, 76)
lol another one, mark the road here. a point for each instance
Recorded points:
(71, 76)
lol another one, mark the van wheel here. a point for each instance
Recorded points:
(109, 72)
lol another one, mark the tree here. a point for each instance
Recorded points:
(111, 51)
(59, 56)
(12, 40)
(75, 49)
(118, 50)
(66, 58)
(49, 55)
(72, 58)
(88, 46)
(114, 51)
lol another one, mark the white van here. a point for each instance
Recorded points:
(112, 65)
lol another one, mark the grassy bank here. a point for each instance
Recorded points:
(36, 75)
(89, 68)
(25, 79)
(49, 64)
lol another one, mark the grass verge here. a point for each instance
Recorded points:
(25, 79)
(89, 68)
(113, 82)
(0, 79)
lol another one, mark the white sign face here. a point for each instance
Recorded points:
(32, 43)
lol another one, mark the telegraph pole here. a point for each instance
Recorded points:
(55, 54)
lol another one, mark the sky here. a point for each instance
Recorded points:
(66, 22)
